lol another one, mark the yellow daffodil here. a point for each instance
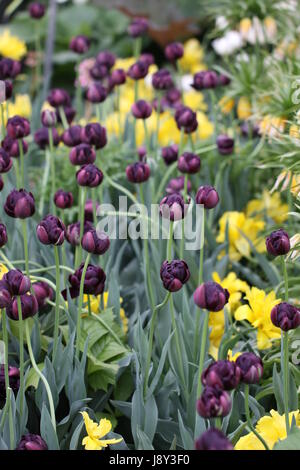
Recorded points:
(3, 270)
(226, 104)
(271, 428)
(95, 303)
(205, 126)
(258, 313)
(245, 26)
(192, 60)
(11, 46)
(270, 205)
(21, 106)
(168, 130)
(95, 433)
(232, 357)
(195, 100)
(272, 126)
(124, 63)
(244, 109)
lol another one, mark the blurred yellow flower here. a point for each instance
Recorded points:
(168, 130)
(3, 270)
(232, 357)
(205, 126)
(21, 106)
(95, 433)
(271, 428)
(96, 307)
(272, 126)
(226, 104)
(124, 63)
(245, 26)
(11, 46)
(270, 26)
(192, 60)
(258, 313)
(244, 109)
(195, 100)
(270, 205)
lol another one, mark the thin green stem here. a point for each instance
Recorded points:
(45, 181)
(179, 355)
(2, 122)
(200, 280)
(164, 180)
(52, 164)
(25, 241)
(20, 143)
(202, 350)
(7, 388)
(57, 300)
(17, 172)
(63, 118)
(170, 241)
(21, 347)
(249, 422)
(182, 222)
(82, 195)
(80, 303)
(285, 351)
(119, 187)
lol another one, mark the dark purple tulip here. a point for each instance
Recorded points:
(141, 109)
(174, 51)
(63, 199)
(29, 307)
(214, 402)
(11, 146)
(222, 374)
(72, 136)
(17, 282)
(70, 113)
(43, 292)
(223, 80)
(251, 367)
(208, 196)
(17, 127)
(89, 175)
(5, 295)
(173, 97)
(5, 161)
(89, 210)
(96, 93)
(37, 10)
(80, 44)
(94, 242)
(211, 296)
(41, 137)
(59, 97)
(3, 235)
(187, 119)
(32, 442)
(82, 154)
(142, 153)
(94, 281)
(13, 378)
(118, 77)
(213, 439)
(172, 207)
(106, 58)
(8, 89)
(19, 204)
(285, 316)
(48, 118)
(176, 185)
(51, 231)
(170, 154)
(225, 144)
(174, 274)
(278, 243)
(73, 232)
(148, 58)
(1, 183)
(205, 79)
(138, 172)
(138, 70)
(94, 134)
(189, 163)
(250, 130)
(162, 80)
(160, 105)
(99, 71)
(9, 68)
(138, 27)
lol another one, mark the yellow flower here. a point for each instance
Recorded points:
(272, 126)
(205, 126)
(239, 225)
(11, 46)
(269, 204)
(168, 130)
(271, 428)
(195, 100)
(21, 106)
(216, 323)
(284, 181)
(94, 441)
(3, 270)
(258, 313)
(115, 123)
(124, 63)
(271, 27)
(244, 108)
(192, 58)
(232, 357)
(245, 26)
(95, 303)
(226, 104)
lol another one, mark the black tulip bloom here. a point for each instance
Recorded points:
(73, 232)
(43, 292)
(106, 58)
(208, 196)
(16, 282)
(176, 185)
(211, 296)
(213, 439)
(189, 163)
(94, 134)
(8, 89)
(51, 231)
(148, 58)
(70, 113)
(72, 136)
(19, 204)
(80, 44)
(141, 109)
(138, 27)
(11, 146)
(17, 127)
(170, 154)
(99, 71)
(174, 274)
(3, 235)
(63, 199)
(32, 442)
(285, 316)
(89, 175)
(251, 367)
(225, 144)
(138, 70)
(5, 161)
(94, 281)
(173, 98)
(41, 137)
(5, 294)
(9, 68)
(162, 80)
(82, 154)
(138, 172)
(142, 153)
(48, 118)
(59, 97)
(174, 51)
(172, 207)
(89, 210)
(278, 243)
(96, 243)
(37, 10)
(223, 80)
(205, 79)
(186, 119)
(13, 378)
(214, 402)
(118, 77)
(96, 93)
(29, 307)
(222, 374)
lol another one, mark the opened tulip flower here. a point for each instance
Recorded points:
(96, 433)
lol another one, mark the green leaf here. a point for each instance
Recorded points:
(47, 431)
(292, 442)
(33, 378)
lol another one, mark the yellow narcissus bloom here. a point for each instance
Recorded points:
(124, 63)
(192, 60)
(245, 26)
(232, 357)
(270, 27)
(226, 104)
(96, 307)
(238, 224)
(205, 126)
(114, 123)
(94, 441)
(11, 46)
(258, 313)
(244, 109)
(3, 270)
(21, 106)
(272, 126)
(270, 205)
(271, 428)
(168, 130)
(151, 124)
(195, 100)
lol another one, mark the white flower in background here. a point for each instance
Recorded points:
(228, 44)
(256, 34)
(242, 57)
(295, 248)
(289, 5)
(186, 82)
(221, 22)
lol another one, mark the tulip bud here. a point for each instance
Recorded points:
(205, 79)
(13, 379)
(211, 296)
(37, 10)
(48, 118)
(173, 98)
(94, 242)
(208, 196)
(174, 51)
(19, 204)
(251, 367)
(89, 210)
(17, 127)
(99, 71)
(16, 282)
(118, 77)
(278, 243)
(94, 281)
(138, 172)
(170, 154)
(5, 294)
(285, 316)
(29, 307)
(8, 89)
(189, 163)
(174, 274)
(222, 374)
(51, 231)
(96, 93)
(59, 97)
(214, 402)
(3, 235)
(89, 175)
(213, 439)
(72, 136)
(82, 154)
(43, 292)
(138, 70)
(142, 153)
(141, 109)
(138, 27)
(9, 68)
(162, 80)
(187, 119)
(223, 80)
(32, 442)
(11, 146)
(5, 161)
(73, 232)
(41, 137)
(176, 185)
(225, 144)
(80, 44)
(106, 58)
(94, 134)
(63, 199)
(148, 58)
(172, 207)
